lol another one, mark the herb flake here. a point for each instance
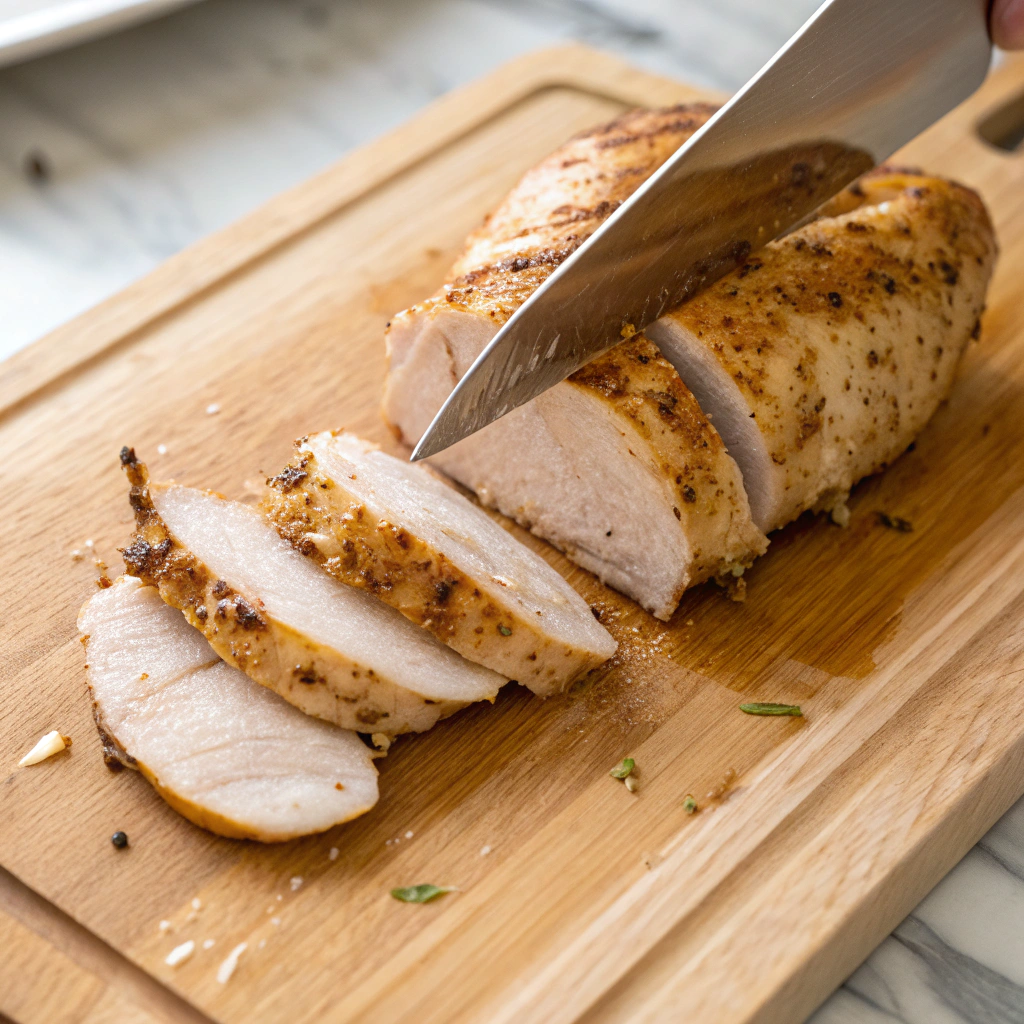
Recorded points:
(504, 630)
(623, 768)
(772, 709)
(420, 893)
(895, 523)
(689, 804)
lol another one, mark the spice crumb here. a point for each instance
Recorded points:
(180, 954)
(296, 883)
(227, 968)
(332, 853)
(76, 555)
(119, 839)
(381, 741)
(212, 409)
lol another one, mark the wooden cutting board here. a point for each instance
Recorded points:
(578, 901)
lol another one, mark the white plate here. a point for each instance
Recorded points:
(31, 27)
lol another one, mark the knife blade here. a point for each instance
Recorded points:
(860, 79)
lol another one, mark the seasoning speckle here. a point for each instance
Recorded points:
(895, 523)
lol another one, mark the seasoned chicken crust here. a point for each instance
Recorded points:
(381, 524)
(824, 355)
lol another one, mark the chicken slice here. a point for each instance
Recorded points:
(824, 355)
(617, 466)
(229, 755)
(332, 650)
(381, 523)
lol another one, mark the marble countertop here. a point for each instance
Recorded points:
(116, 154)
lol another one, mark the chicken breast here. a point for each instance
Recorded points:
(381, 523)
(332, 650)
(617, 466)
(824, 355)
(229, 755)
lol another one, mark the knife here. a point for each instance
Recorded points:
(860, 79)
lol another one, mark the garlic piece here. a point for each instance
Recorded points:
(227, 968)
(180, 954)
(52, 743)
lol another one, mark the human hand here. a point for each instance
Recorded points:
(1007, 24)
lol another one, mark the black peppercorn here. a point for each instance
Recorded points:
(120, 839)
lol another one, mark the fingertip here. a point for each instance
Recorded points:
(1007, 24)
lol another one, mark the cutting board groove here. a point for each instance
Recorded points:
(592, 905)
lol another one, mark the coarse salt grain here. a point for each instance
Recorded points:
(90, 543)
(164, 926)
(227, 968)
(296, 883)
(261, 943)
(161, 449)
(52, 743)
(76, 555)
(197, 903)
(409, 834)
(484, 850)
(208, 943)
(332, 853)
(180, 954)
(275, 921)
(212, 409)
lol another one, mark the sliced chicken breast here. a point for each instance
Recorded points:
(618, 466)
(332, 650)
(381, 523)
(824, 355)
(229, 755)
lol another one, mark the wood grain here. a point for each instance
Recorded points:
(905, 650)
